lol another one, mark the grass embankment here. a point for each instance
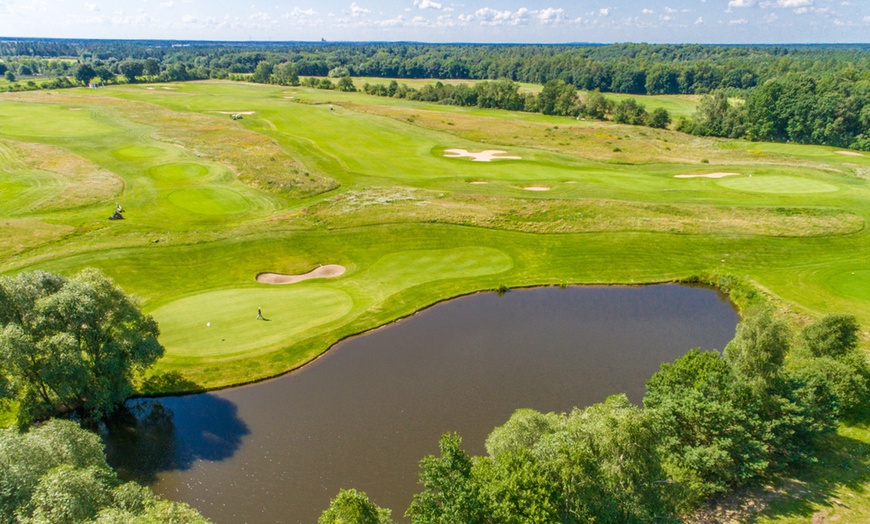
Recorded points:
(210, 202)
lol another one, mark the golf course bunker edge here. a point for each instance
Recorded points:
(327, 271)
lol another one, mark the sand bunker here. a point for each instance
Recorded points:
(707, 175)
(849, 153)
(327, 271)
(536, 188)
(478, 183)
(484, 156)
(237, 112)
(75, 109)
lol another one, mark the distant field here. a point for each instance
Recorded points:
(310, 177)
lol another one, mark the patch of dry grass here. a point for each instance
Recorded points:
(85, 182)
(379, 205)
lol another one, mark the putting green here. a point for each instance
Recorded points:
(223, 323)
(210, 201)
(177, 172)
(851, 284)
(777, 184)
(137, 152)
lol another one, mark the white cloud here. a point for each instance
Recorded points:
(867, 19)
(90, 6)
(604, 11)
(521, 17)
(551, 16)
(167, 5)
(298, 13)
(648, 12)
(428, 4)
(699, 21)
(741, 3)
(794, 3)
(739, 21)
(356, 10)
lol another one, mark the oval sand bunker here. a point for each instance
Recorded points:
(327, 271)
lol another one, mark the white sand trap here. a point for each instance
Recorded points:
(478, 183)
(237, 112)
(75, 109)
(484, 156)
(536, 188)
(327, 271)
(707, 175)
(849, 153)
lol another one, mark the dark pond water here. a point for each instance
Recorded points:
(364, 414)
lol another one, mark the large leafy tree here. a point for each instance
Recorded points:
(68, 344)
(354, 507)
(57, 473)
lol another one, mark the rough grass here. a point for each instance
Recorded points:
(380, 205)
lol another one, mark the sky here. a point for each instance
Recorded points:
(487, 21)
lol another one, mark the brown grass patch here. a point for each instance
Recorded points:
(381, 205)
(85, 182)
(20, 235)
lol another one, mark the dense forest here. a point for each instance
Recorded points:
(804, 94)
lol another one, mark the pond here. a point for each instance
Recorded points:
(367, 411)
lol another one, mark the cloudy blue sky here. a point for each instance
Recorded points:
(546, 21)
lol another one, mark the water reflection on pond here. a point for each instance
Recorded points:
(363, 415)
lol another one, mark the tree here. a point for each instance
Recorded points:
(758, 349)
(708, 423)
(659, 118)
(72, 343)
(354, 507)
(151, 67)
(84, 73)
(262, 73)
(57, 473)
(285, 74)
(833, 335)
(629, 111)
(449, 492)
(558, 98)
(345, 84)
(131, 69)
(9, 76)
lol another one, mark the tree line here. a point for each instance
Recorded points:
(710, 422)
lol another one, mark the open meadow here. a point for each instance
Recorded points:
(308, 178)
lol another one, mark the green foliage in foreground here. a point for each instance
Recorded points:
(710, 423)
(57, 473)
(354, 507)
(71, 343)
